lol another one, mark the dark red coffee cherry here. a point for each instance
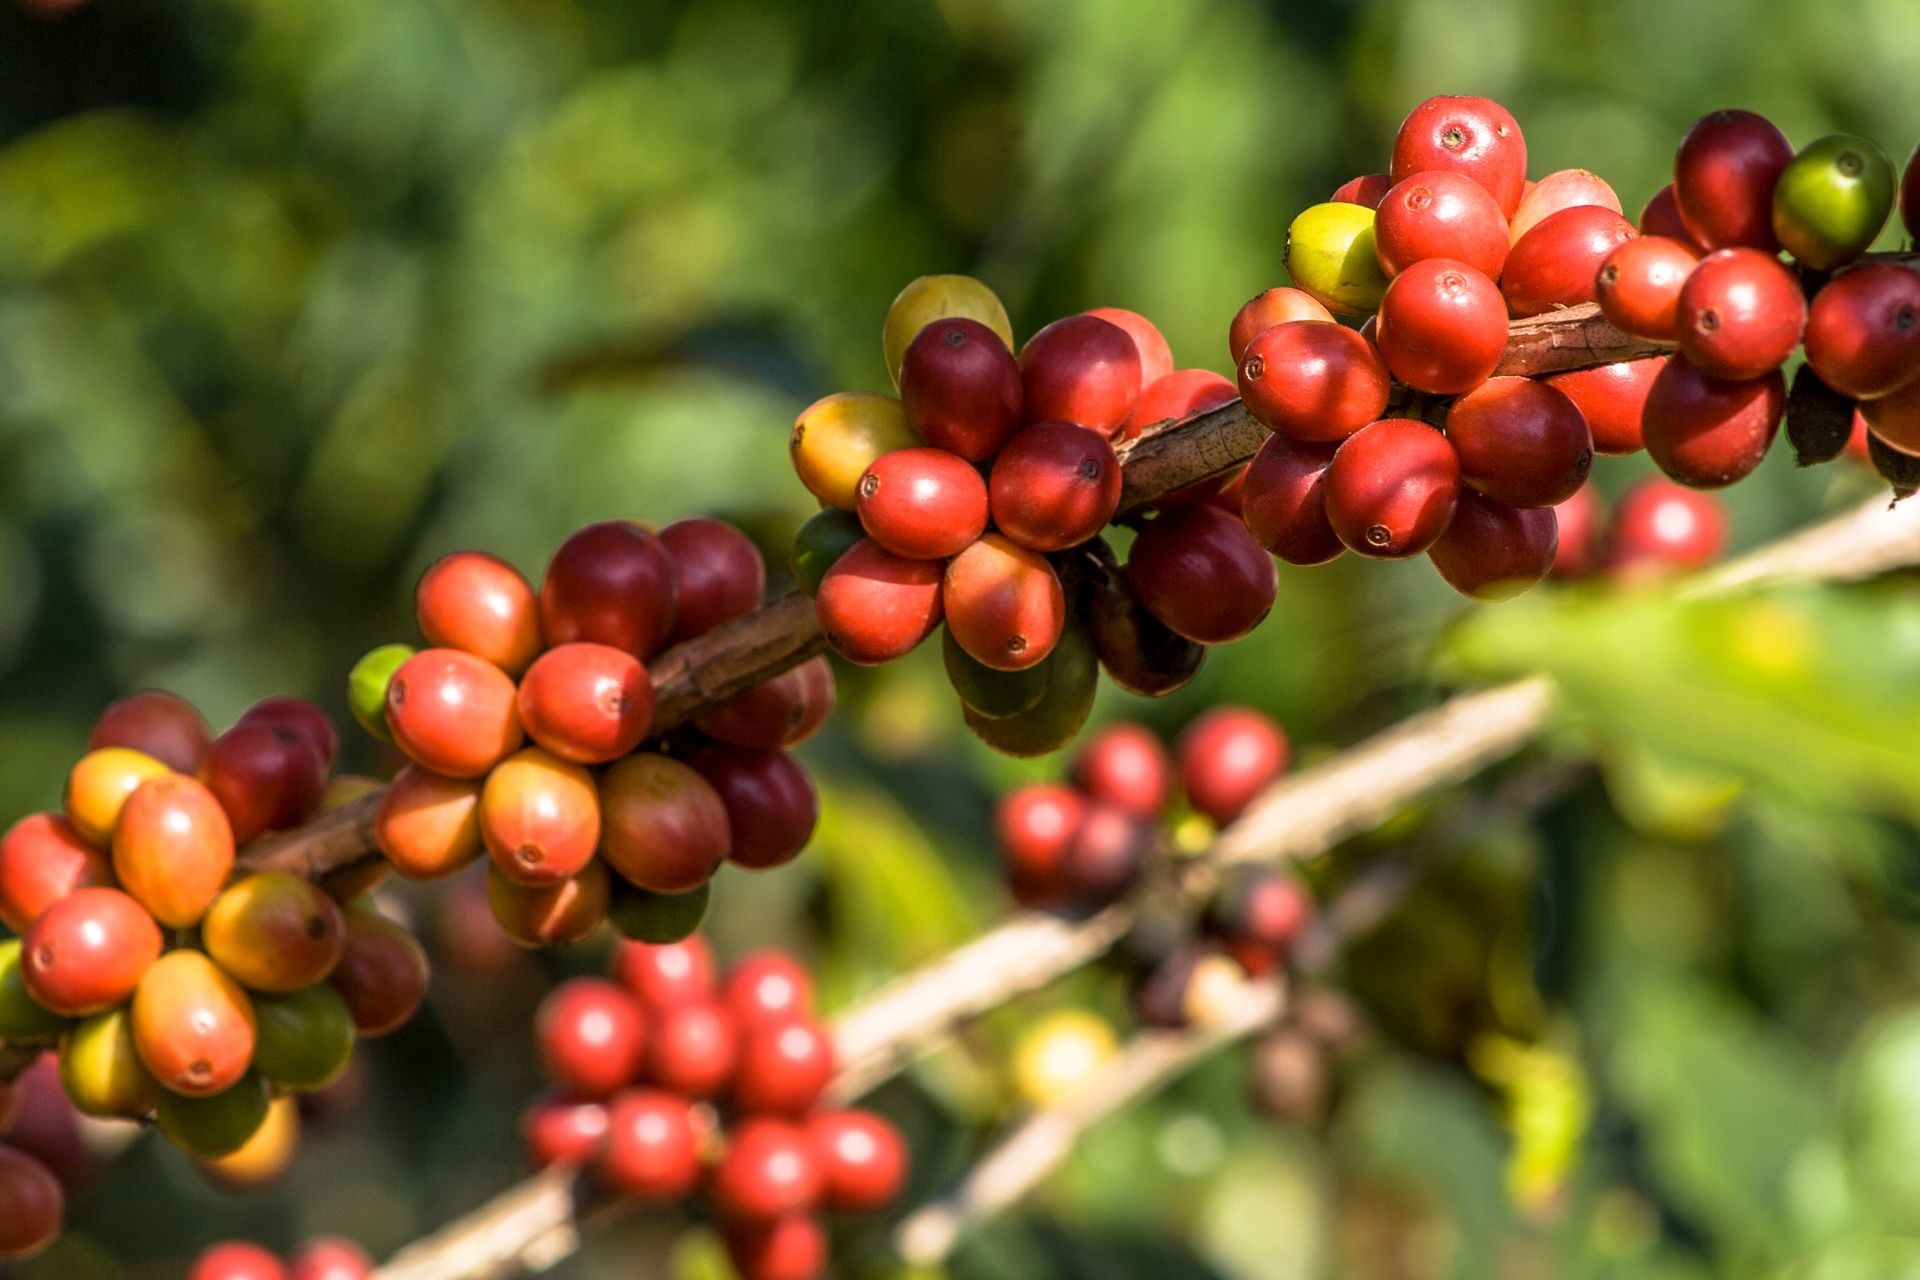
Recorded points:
(875, 606)
(1004, 604)
(1141, 654)
(1708, 432)
(1442, 327)
(652, 1149)
(1260, 914)
(158, 724)
(782, 1068)
(33, 1207)
(1661, 217)
(1313, 381)
(480, 604)
(960, 388)
(791, 1248)
(1124, 765)
(1723, 179)
(863, 1162)
(1863, 330)
(1274, 307)
(382, 974)
(1106, 855)
(1440, 214)
(587, 703)
(1557, 263)
(1740, 314)
(1284, 501)
(1201, 573)
(1661, 526)
(266, 777)
(1032, 826)
(925, 504)
(1492, 551)
(562, 1130)
(610, 583)
(1520, 442)
(1081, 369)
(767, 988)
(1473, 136)
(1613, 400)
(1227, 757)
(718, 575)
(782, 712)
(665, 976)
(1639, 284)
(592, 1037)
(770, 802)
(692, 1049)
(1055, 485)
(1390, 489)
(769, 1171)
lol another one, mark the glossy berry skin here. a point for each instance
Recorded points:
(718, 575)
(924, 504)
(267, 777)
(1081, 369)
(591, 1036)
(1139, 653)
(1578, 550)
(453, 713)
(1556, 263)
(770, 802)
(1658, 524)
(766, 988)
(1032, 826)
(33, 1207)
(782, 1069)
(1708, 432)
(1661, 217)
(1895, 419)
(479, 604)
(929, 299)
(1004, 604)
(666, 976)
(1831, 200)
(781, 712)
(1863, 330)
(837, 437)
(1367, 190)
(42, 860)
(652, 1150)
(875, 606)
(217, 1126)
(539, 818)
(863, 1162)
(1201, 573)
(1227, 757)
(586, 703)
(961, 388)
(791, 1248)
(610, 583)
(1053, 486)
(692, 1050)
(1638, 287)
(1156, 357)
(88, 951)
(274, 931)
(1183, 393)
(1740, 314)
(1124, 765)
(768, 1172)
(304, 1039)
(1284, 501)
(1264, 311)
(1440, 214)
(428, 826)
(1313, 382)
(382, 973)
(1723, 179)
(173, 849)
(234, 1260)
(1442, 327)
(157, 724)
(1561, 189)
(1613, 399)
(1492, 551)
(1520, 442)
(1391, 488)
(553, 914)
(663, 827)
(192, 1025)
(98, 786)
(557, 1129)
(1105, 856)
(1473, 136)
(329, 1259)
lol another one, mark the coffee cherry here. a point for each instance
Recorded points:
(1708, 432)
(692, 1050)
(817, 547)
(1556, 263)
(791, 1248)
(1723, 179)
(1125, 766)
(591, 1037)
(1391, 488)
(304, 1038)
(782, 712)
(217, 1125)
(925, 504)
(1657, 524)
(428, 826)
(480, 604)
(264, 1158)
(562, 1130)
(1367, 190)
(1442, 327)
(717, 572)
(863, 1162)
(1156, 357)
(875, 606)
(233, 1260)
(267, 777)
(1054, 485)
(1863, 330)
(1440, 214)
(1492, 551)
(1831, 200)
(1227, 757)
(301, 717)
(1561, 189)
(663, 826)
(1140, 653)
(330, 1258)
(586, 703)
(652, 1149)
(453, 713)
(1267, 310)
(23, 1019)
(1187, 987)
(782, 1069)
(610, 583)
(539, 818)
(766, 988)
(1201, 573)
(1004, 604)
(644, 916)
(382, 973)
(1894, 420)
(1740, 314)
(1315, 382)
(1260, 914)
(157, 724)
(98, 787)
(42, 860)
(1331, 256)
(1474, 136)
(274, 931)
(87, 952)
(1578, 550)
(192, 1024)
(768, 1172)
(770, 802)
(837, 437)
(100, 1067)
(1520, 442)
(1613, 400)
(367, 687)
(1072, 677)
(1081, 369)
(1284, 502)
(1638, 287)
(932, 298)
(33, 1208)
(1182, 394)
(1106, 855)
(1032, 826)
(173, 848)
(554, 914)
(666, 977)
(960, 388)
(1661, 217)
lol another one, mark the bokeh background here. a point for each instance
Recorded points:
(295, 297)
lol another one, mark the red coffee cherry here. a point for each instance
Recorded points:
(782, 712)
(479, 604)
(158, 724)
(1105, 856)
(610, 583)
(330, 1258)
(1284, 501)
(718, 575)
(1474, 136)
(1004, 604)
(652, 1150)
(1124, 765)
(791, 1248)
(925, 504)
(1659, 525)
(665, 976)
(692, 1050)
(1638, 287)
(233, 1260)
(875, 606)
(767, 988)
(863, 1162)
(770, 802)
(266, 777)
(1269, 310)
(662, 826)
(1558, 262)
(1895, 419)
(382, 974)
(173, 849)
(960, 388)
(42, 860)
(452, 713)
(561, 1130)
(552, 914)
(1391, 487)
(1314, 382)
(1520, 442)
(1613, 400)
(1579, 518)
(1260, 914)
(1661, 217)
(587, 703)
(1032, 826)
(768, 1172)
(1368, 190)
(539, 818)
(274, 931)
(1492, 551)
(87, 952)
(1183, 393)
(1201, 573)
(1227, 757)
(782, 1069)
(1156, 357)
(1561, 189)
(1442, 327)
(192, 1025)
(1708, 432)
(1863, 330)
(1740, 314)
(1081, 369)
(428, 826)
(302, 717)
(1440, 214)
(33, 1208)
(1723, 179)
(591, 1036)
(1054, 485)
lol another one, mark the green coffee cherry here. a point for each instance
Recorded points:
(1832, 199)
(367, 687)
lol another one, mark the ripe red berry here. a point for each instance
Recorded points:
(652, 1151)
(173, 849)
(610, 583)
(1124, 765)
(1740, 314)
(718, 575)
(692, 1050)
(1032, 826)
(782, 712)
(1004, 604)
(1613, 400)
(1081, 369)
(1492, 551)
(1442, 327)
(1723, 179)
(88, 951)
(452, 713)
(1440, 214)
(766, 987)
(302, 717)
(1054, 485)
(1661, 217)
(1558, 262)
(1561, 189)
(539, 818)
(925, 504)
(1368, 190)
(875, 606)
(1520, 442)
(1658, 524)
(960, 388)
(1201, 573)
(1183, 393)
(1284, 501)
(791, 1248)
(42, 860)
(158, 724)
(193, 1026)
(1707, 432)
(1638, 287)
(1578, 552)
(1106, 855)
(863, 1162)
(1268, 310)
(1261, 914)
(1315, 382)
(666, 975)
(770, 802)
(1156, 357)
(1227, 757)
(1863, 330)
(382, 973)
(479, 604)
(662, 826)
(587, 703)
(591, 1036)
(1391, 488)
(428, 826)
(233, 1260)
(266, 777)
(330, 1258)
(33, 1208)
(782, 1068)
(1474, 136)
(561, 1130)
(768, 1172)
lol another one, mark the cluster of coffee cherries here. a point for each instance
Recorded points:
(172, 988)
(674, 1085)
(323, 1258)
(527, 725)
